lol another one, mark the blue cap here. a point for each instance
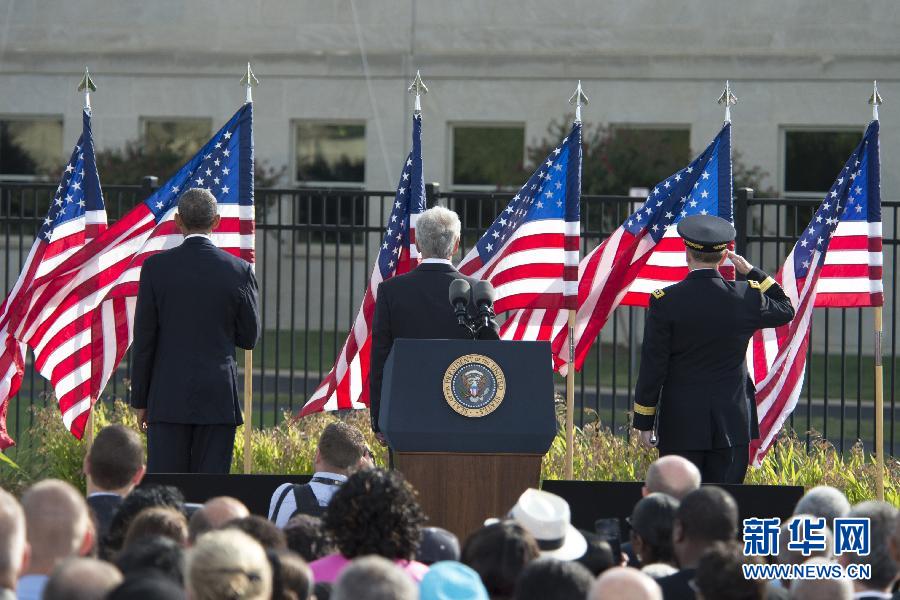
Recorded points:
(447, 580)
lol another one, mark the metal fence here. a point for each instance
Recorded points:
(315, 249)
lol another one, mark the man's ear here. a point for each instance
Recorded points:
(86, 465)
(87, 544)
(455, 247)
(136, 480)
(216, 221)
(179, 222)
(26, 559)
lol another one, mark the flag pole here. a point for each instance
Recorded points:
(87, 86)
(249, 81)
(875, 101)
(579, 99)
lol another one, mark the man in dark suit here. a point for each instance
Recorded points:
(114, 464)
(693, 379)
(415, 305)
(195, 304)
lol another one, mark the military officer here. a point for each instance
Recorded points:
(693, 383)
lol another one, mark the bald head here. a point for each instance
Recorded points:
(12, 540)
(57, 524)
(214, 514)
(624, 582)
(82, 579)
(672, 475)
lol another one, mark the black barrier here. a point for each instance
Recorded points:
(255, 491)
(316, 247)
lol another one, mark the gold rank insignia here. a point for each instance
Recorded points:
(647, 411)
(658, 294)
(753, 284)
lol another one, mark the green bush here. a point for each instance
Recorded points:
(600, 455)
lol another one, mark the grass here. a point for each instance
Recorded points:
(600, 455)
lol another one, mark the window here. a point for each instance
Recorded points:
(488, 156)
(813, 158)
(641, 157)
(182, 137)
(31, 146)
(330, 153)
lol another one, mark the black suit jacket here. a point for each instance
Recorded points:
(195, 304)
(414, 305)
(677, 585)
(104, 506)
(693, 362)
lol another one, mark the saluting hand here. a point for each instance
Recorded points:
(741, 264)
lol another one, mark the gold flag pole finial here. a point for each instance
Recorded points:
(249, 81)
(87, 86)
(728, 99)
(418, 88)
(579, 99)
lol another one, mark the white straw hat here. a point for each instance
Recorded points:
(546, 517)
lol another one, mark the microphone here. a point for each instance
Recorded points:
(459, 300)
(484, 295)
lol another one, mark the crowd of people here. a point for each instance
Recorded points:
(357, 532)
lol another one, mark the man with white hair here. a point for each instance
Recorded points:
(415, 305)
(825, 502)
(14, 549)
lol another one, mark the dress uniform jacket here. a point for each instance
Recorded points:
(413, 305)
(693, 363)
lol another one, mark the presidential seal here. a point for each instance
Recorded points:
(474, 385)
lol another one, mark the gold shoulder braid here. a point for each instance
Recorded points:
(754, 284)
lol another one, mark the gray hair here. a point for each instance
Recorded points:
(437, 232)
(198, 209)
(374, 578)
(825, 502)
(883, 519)
(821, 589)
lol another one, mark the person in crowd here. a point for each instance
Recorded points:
(306, 536)
(195, 304)
(621, 583)
(158, 521)
(553, 579)
(704, 517)
(703, 325)
(546, 517)
(673, 475)
(14, 548)
(58, 526)
(651, 533)
(821, 589)
(720, 575)
(824, 502)
(228, 564)
(82, 579)
(214, 513)
(786, 556)
(291, 577)
(341, 448)
(262, 530)
(414, 305)
(138, 500)
(883, 519)
(374, 578)
(437, 544)
(161, 556)
(374, 512)
(448, 580)
(147, 588)
(498, 553)
(599, 556)
(113, 466)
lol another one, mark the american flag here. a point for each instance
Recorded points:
(646, 253)
(347, 384)
(78, 318)
(837, 262)
(75, 217)
(530, 252)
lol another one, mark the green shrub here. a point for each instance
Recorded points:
(600, 455)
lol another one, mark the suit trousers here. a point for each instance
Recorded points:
(183, 448)
(718, 465)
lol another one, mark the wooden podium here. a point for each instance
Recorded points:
(469, 456)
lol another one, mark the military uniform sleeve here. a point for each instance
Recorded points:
(382, 341)
(776, 308)
(654, 363)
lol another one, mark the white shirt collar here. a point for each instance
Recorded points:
(91, 495)
(203, 235)
(436, 261)
(327, 475)
(872, 594)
